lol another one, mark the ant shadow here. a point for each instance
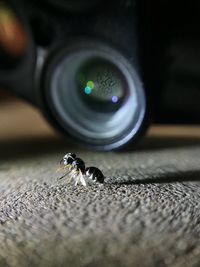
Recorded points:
(166, 177)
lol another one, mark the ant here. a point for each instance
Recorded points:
(77, 170)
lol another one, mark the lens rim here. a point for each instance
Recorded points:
(49, 67)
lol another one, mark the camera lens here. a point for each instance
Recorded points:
(95, 95)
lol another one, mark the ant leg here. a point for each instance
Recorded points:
(64, 175)
(73, 175)
(82, 180)
(69, 168)
(77, 178)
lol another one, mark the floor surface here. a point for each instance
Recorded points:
(147, 213)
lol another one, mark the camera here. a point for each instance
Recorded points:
(93, 68)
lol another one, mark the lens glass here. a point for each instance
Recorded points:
(101, 86)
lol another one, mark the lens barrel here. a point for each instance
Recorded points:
(94, 94)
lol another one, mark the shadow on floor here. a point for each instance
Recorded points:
(167, 177)
(32, 147)
(29, 147)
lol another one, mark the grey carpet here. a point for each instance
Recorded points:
(146, 214)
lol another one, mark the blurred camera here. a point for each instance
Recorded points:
(94, 68)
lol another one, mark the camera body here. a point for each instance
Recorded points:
(95, 69)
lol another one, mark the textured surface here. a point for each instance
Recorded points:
(146, 214)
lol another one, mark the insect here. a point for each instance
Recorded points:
(78, 172)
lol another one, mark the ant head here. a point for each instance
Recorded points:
(68, 158)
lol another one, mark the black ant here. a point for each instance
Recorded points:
(77, 170)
